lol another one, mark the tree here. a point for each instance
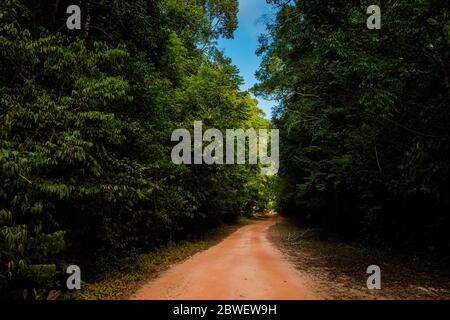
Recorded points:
(363, 117)
(85, 124)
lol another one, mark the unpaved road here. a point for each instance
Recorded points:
(245, 266)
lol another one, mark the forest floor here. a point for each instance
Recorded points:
(244, 266)
(337, 269)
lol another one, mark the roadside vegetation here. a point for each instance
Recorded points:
(364, 119)
(86, 118)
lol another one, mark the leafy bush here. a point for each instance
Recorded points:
(86, 119)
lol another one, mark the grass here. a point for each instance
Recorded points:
(120, 282)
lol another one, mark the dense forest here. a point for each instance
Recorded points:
(364, 118)
(86, 118)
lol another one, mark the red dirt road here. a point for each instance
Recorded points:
(245, 266)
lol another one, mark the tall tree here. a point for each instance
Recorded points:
(364, 117)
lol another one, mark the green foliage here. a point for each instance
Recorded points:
(85, 125)
(364, 117)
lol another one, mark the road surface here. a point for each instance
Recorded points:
(245, 266)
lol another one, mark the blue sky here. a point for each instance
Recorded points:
(242, 48)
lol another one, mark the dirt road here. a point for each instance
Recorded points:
(243, 266)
